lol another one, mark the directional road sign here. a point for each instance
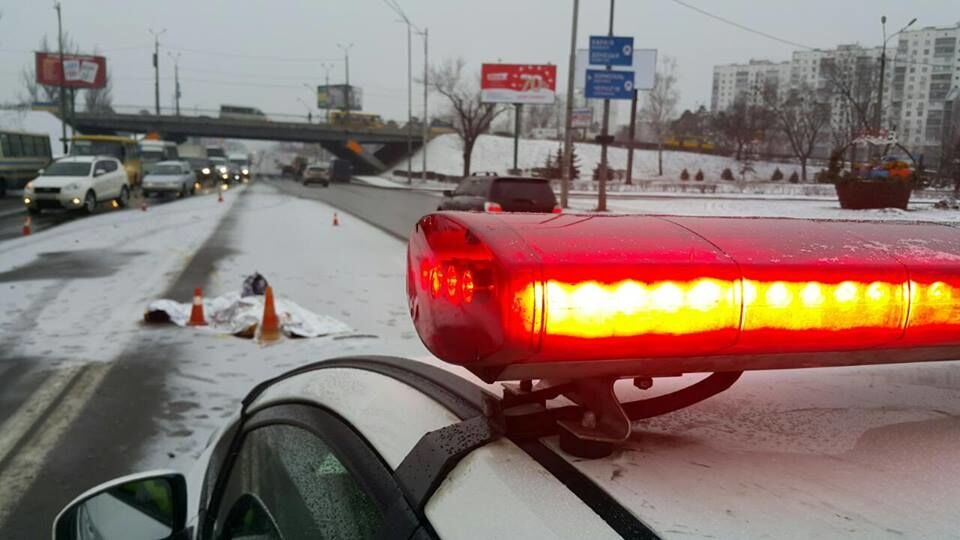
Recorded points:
(602, 84)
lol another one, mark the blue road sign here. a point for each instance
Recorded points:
(611, 51)
(602, 84)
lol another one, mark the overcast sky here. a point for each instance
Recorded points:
(262, 53)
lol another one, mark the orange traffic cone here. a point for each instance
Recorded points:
(270, 326)
(196, 314)
(336, 220)
(220, 195)
(27, 226)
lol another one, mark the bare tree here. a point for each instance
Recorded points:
(660, 105)
(852, 81)
(747, 120)
(99, 100)
(802, 118)
(34, 92)
(471, 117)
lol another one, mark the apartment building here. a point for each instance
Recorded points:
(734, 80)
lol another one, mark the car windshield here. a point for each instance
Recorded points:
(151, 155)
(218, 161)
(68, 168)
(198, 163)
(239, 162)
(167, 169)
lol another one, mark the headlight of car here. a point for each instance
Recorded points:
(222, 169)
(71, 187)
(205, 170)
(245, 171)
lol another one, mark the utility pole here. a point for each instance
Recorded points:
(176, 79)
(348, 91)
(326, 81)
(883, 65)
(604, 138)
(426, 116)
(63, 93)
(409, 102)
(156, 68)
(568, 118)
(633, 132)
(517, 111)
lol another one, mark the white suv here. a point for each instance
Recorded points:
(78, 182)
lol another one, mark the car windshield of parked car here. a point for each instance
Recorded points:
(167, 169)
(68, 168)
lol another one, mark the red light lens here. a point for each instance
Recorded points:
(492, 207)
(541, 290)
(557, 209)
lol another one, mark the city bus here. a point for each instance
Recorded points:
(22, 155)
(356, 120)
(234, 112)
(125, 149)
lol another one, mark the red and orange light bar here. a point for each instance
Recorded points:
(643, 293)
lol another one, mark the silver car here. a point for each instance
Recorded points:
(170, 177)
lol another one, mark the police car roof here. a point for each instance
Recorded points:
(855, 452)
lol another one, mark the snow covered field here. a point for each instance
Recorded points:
(495, 153)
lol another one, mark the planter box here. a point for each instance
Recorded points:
(865, 194)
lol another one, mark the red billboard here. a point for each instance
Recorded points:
(518, 83)
(78, 71)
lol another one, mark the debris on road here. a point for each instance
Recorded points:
(950, 203)
(239, 314)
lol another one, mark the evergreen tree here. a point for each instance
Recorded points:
(699, 176)
(685, 175)
(727, 174)
(777, 175)
(794, 178)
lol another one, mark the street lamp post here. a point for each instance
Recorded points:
(425, 125)
(348, 91)
(176, 79)
(156, 68)
(326, 81)
(63, 93)
(568, 117)
(878, 119)
(309, 110)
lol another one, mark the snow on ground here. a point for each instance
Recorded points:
(354, 273)
(495, 153)
(83, 298)
(813, 209)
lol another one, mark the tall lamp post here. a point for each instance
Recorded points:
(883, 65)
(309, 110)
(63, 93)
(425, 125)
(346, 70)
(156, 67)
(176, 79)
(568, 115)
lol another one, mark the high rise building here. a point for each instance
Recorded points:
(921, 72)
(733, 81)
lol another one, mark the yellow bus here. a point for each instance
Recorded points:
(22, 155)
(125, 149)
(356, 120)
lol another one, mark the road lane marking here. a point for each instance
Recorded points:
(35, 406)
(25, 466)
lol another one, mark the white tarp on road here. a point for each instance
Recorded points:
(235, 314)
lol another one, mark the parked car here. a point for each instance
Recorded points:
(169, 177)
(318, 173)
(78, 182)
(501, 194)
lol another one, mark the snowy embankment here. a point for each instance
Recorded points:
(494, 153)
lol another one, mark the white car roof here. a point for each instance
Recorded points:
(862, 452)
(83, 159)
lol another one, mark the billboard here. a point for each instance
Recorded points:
(518, 83)
(78, 70)
(334, 96)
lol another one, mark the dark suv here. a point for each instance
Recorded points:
(501, 194)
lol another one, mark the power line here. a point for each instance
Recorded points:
(741, 26)
(257, 57)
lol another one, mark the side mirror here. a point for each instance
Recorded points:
(146, 506)
(99, 172)
(448, 193)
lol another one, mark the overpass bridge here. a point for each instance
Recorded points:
(370, 150)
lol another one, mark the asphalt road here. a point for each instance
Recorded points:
(116, 404)
(395, 211)
(13, 214)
